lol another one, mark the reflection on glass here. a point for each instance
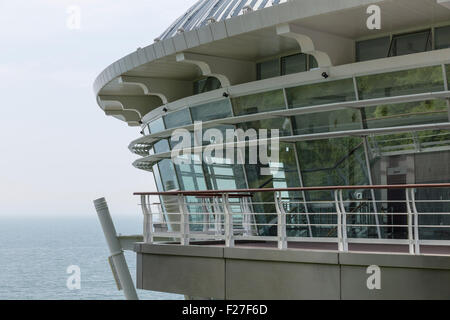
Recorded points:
(442, 37)
(321, 93)
(161, 146)
(211, 111)
(372, 49)
(293, 64)
(156, 125)
(206, 84)
(282, 124)
(268, 69)
(421, 80)
(261, 102)
(333, 162)
(411, 43)
(330, 121)
(168, 175)
(190, 174)
(177, 119)
(403, 114)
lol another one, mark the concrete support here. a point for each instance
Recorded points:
(139, 104)
(167, 90)
(115, 248)
(227, 71)
(328, 49)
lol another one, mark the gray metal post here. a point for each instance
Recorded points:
(118, 258)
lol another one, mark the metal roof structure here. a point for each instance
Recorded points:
(205, 11)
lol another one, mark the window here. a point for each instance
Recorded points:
(372, 49)
(411, 43)
(211, 111)
(404, 114)
(191, 175)
(261, 102)
(268, 69)
(340, 120)
(442, 37)
(421, 80)
(294, 64)
(161, 146)
(206, 84)
(282, 124)
(177, 119)
(168, 176)
(156, 125)
(321, 93)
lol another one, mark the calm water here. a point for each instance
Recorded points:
(35, 253)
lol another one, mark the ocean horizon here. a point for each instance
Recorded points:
(36, 252)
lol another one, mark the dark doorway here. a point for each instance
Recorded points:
(397, 204)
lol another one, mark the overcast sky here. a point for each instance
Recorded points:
(58, 150)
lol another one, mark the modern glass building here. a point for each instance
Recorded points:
(353, 106)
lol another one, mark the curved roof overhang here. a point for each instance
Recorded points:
(163, 72)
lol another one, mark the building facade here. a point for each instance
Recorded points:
(353, 106)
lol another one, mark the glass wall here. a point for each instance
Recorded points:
(331, 162)
(156, 125)
(294, 64)
(210, 111)
(191, 175)
(168, 175)
(442, 37)
(206, 84)
(447, 68)
(404, 114)
(321, 93)
(372, 49)
(421, 80)
(282, 124)
(330, 121)
(268, 69)
(177, 119)
(411, 43)
(257, 103)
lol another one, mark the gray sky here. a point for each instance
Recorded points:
(58, 150)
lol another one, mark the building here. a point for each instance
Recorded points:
(354, 106)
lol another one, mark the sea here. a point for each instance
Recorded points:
(35, 254)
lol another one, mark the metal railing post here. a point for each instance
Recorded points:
(344, 222)
(416, 221)
(148, 220)
(229, 230)
(115, 249)
(281, 222)
(184, 221)
(339, 221)
(410, 231)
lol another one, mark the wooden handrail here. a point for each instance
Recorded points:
(215, 193)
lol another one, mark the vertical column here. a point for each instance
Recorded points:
(115, 249)
(229, 236)
(281, 222)
(148, 220)
(184, 221)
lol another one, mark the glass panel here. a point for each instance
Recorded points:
(372, 49)
(191, 175)
(282, 124)
(442, 37)
(261, 102)
(398, 83)
(411, 43)
(211, 111)
(207, 84)
(225, 176)
(177, 119)
(321, 93)
(332, 162)
(168, 175)
(447, 68)
(268, 69)
(330, 121)
(161, 146)
(286, 176)
(312, 62)
(293, 64)
(404, 114)
(156, 125)
(157, 177)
